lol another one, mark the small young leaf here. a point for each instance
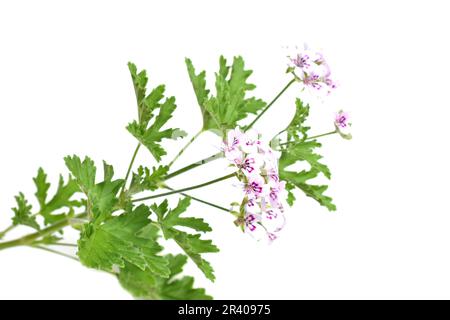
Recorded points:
(22, 213)
(42, 187)
(61, 199)
(297, 126)
(146, 179)
(139, 81)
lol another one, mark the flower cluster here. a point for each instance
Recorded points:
(312, 70)
(261, 212)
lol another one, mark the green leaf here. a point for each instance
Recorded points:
(230, 105)
(198, 82)
(169, 219)
(22, 213)
(146, 179)
(300, 180)
(180, 289)
(297, 126)
(297, 149)
(139, 81)
(192, 245)
(152, 135)
(116, 241)
(61, 199)
(304, 151)
(201, 92)
(102, 197)
(84, 172)
(172, 219)
(146, 285)
(42, 187)
(290, 198)
(141, 284)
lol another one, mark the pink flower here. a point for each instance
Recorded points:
(249, 164)
(251, 222)
(251, 142)
(272, 174)
(301, 61)
(234, 139)
(273, 220)
(271, 236)
(342, 120)
(255, 187)
(342, 124)
(274, 194)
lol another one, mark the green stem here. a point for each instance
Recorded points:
(29, 239)
(59, 244)
(54, 251)
(200, 200)
(62, 244)
(322, 135)
(4, 232)
(193, 166)
(185, 147)
(270, 104)
(130, 167)
(13, 226)
(310, 138)
(186, 189)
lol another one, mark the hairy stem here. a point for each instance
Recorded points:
(13, 226)
(270, 104)
(322, 135)
(133, 158)
(310, 138)
(58, 244)
(193, 166)
(54, 251)
(4, 232)
(186, 189)
(185, 147)
(29, 239)
(201, 200)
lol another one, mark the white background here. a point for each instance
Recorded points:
(65, 88)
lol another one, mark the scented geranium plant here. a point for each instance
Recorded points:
(121, 221)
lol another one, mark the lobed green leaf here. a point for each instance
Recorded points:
(296, 149)
(230, 105)
(192, 245)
